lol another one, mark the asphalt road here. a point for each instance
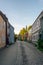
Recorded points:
(21, 53)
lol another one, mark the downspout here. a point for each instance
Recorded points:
(6, 32)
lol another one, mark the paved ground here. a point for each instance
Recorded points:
(21, 53)
(34, 56)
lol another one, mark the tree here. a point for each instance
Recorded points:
(29, 27)
(22, 33)
(15, 37)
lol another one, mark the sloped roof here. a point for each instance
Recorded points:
(3, 16)
(38, 17)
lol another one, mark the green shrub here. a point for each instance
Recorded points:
(40, 43)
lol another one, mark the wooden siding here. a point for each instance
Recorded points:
(2, 32)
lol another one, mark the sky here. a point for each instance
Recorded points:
(21, 12)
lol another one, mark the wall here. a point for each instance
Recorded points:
(2, 32)
(41, 20)
(11, 37)
(37, 28)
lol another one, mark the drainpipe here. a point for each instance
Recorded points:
(6, 32)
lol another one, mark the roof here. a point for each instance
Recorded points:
(4, 16)
(38, 17)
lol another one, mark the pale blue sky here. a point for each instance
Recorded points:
(21, 12)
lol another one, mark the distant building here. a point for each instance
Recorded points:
(29, 35)
(37, 28)
(26, 36)
(6, 31)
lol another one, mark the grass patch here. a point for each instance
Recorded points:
(40, 44)
(35, 45)
(41, 49)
